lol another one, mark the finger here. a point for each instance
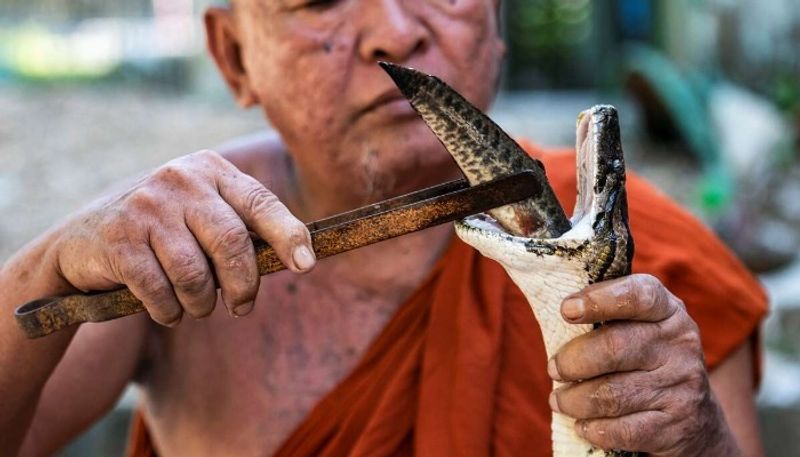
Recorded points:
(187, 269)
(639, 432)
(224, 238)
(637, 297)
(140, 271)
(268, 217)
(615, 347)
(608, 396)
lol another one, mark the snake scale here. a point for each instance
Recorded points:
(546, 254)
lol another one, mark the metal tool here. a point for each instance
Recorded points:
(360, 227)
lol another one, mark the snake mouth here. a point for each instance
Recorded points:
(600, 177)
(484, 152)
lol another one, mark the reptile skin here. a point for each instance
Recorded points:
(548, 256)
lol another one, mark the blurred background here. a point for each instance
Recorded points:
(92, 92)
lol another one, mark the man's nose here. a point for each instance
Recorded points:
(391, 31)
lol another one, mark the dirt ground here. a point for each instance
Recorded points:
(61, 147)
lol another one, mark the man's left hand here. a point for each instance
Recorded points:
(639, 382)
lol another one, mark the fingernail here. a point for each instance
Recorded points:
(552, 370)
(303, 258)
(243, 309)
(572, 308)
(553, 402)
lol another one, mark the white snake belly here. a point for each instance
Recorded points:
(598, 246)
(545, 282)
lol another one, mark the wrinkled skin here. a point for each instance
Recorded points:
(154, 236)
(311, 67)
(336, 144)
(638, 382)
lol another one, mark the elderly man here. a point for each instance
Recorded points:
(413, 346)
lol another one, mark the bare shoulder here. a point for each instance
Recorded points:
(261, 155)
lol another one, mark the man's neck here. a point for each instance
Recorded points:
(394, 267)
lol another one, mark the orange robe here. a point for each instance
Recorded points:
(460, 369)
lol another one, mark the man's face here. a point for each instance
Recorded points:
(312, 66)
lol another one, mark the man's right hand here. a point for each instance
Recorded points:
(157, 237)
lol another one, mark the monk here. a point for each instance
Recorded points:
(415, 346)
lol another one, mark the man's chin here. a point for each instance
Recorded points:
(400, 174)
(386, 162)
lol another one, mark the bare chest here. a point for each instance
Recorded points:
(225, 386)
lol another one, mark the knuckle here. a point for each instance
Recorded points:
(146, 279)
(606, 399)
(651, 294)
(694, 341)
(614, 342)
(203, 163)
(647, 281)
(138, 273)
(686, 399)
(151, 285)
(697, 385)
(630, 297)
(624, 435)
(143, 200)
(207, 155)
(211, 162)
(232, 243)
(259, 200)
(174, 176)
(687, 336)
(189, 275)
(656, 357)
(170, 172)
(119, 251)
(298, 234)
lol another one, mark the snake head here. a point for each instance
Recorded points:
(598, 231)
(482, 150)
(599, 238)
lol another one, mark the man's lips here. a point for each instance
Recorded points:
(391, 104)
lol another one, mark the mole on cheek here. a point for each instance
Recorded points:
(327, 46)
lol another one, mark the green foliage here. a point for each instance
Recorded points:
(549, 27)
(545, 38)
(786, 92)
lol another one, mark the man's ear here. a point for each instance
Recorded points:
(222, 39)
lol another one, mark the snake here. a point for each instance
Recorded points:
(546, 254)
